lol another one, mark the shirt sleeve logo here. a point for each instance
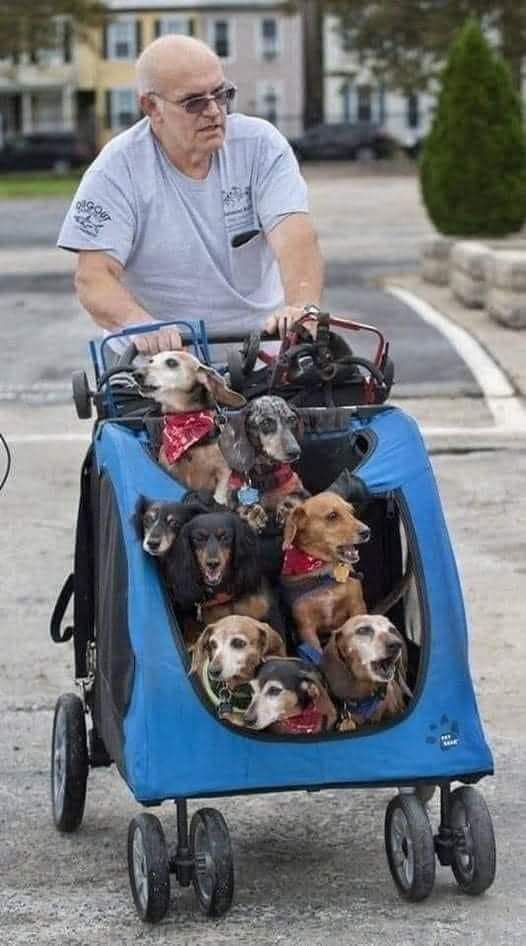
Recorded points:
(90, 217)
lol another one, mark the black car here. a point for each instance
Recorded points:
(44, 152)
(343, 141)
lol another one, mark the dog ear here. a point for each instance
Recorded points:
(272, 644)
(186, 582)
(199, 650)
(136, 518)
(246, 563)
(235, 445)
(215, 384)
(299, 432)
(293, 523)
(337, 637)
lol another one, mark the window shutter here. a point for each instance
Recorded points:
(105, 41)
(138, 36)
(157, 29)
(107, 109)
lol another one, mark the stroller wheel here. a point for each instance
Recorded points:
(148, 867)
(69, 763)
(474, 855)
(214, 866)
(410, 847)
(81, 394)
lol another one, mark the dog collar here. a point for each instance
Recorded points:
(225, 700)
(222, 597)
(182, 431)
(277, 478)
(306, 723)
(366, 706)
(297, 562)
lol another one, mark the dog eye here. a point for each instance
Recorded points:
(331, 516)
(364, 631)
(238, 643)
(212, 645)
(172, 363)
(268, 425)
(200, 538)
(273, 691)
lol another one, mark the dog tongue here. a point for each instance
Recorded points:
(305, 723)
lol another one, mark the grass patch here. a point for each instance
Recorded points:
(38, 184)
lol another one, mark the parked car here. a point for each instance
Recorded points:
(50, 151)
(344, 141)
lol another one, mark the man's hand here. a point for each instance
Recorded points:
(165, 339)
(282, 320)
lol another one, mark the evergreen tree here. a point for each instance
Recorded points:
(473, 168)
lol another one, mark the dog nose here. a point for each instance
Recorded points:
(138, 374)
(213, 562)
(292, 454)
(365, 534)
(393, 648)
(250, 717)
(153, 544)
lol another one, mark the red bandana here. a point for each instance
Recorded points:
(182, 431)
(297, 562)
(306, 723)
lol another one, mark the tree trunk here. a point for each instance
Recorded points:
(312, 24)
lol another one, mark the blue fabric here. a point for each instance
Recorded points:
(175, 746)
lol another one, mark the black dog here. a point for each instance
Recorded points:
(157, 523)
(215, 570)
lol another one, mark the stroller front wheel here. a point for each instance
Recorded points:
(410, 847)
(474, 854)
(213, 862)
(148, 867)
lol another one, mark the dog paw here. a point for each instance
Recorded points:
(346, 725)
(444, 733)
(255, 516)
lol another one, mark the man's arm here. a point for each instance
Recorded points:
(112, 306)
(295, 245)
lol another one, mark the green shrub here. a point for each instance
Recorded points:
(473, 167)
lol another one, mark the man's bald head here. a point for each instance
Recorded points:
(172, 61)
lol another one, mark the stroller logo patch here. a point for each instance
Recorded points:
(90, 217)
(444, 734)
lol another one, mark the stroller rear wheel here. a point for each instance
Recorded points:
(474, 854)
(148, 867)
(410, 847)
(69, 763)
(214, 865)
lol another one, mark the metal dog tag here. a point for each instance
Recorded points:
(341, 572)
(247, 495)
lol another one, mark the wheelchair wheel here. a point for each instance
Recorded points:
(69, 763)
(410, 847)
(214, 866)
(148, 867)
(474, 856)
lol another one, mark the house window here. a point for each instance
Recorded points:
(413, 110)
(364, 106)
(221, 39)
(47, 111)
(122, 40)
(174, 24)
(269, 101)
(122, 108)
(269, 38)
(60, 52)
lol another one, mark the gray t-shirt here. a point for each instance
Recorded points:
(173, 234)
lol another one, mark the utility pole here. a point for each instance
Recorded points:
(313, 70)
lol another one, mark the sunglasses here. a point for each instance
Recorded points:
(196, 104)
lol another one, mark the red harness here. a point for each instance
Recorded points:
(297, 562)
(182, 431)
(306, 723)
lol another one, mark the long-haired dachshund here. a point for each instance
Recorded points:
(189, 393)
(289, 697)
(365, 665)
(216, 570)
(318, 578)
(158, 522)
(260, 443)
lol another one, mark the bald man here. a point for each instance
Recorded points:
(192, 212)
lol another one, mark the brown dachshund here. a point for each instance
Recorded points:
(189, 393)
(365, 664)
(318, 579)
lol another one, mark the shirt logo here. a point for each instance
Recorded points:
(90, 217)
(239, 212)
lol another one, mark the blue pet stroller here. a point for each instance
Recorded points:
(150, 718)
